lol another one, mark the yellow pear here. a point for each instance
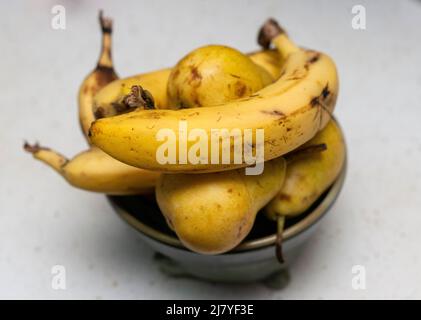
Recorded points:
(309, 176)
(212, 75)
(212, 213)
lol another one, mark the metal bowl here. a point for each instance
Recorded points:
(253, 260)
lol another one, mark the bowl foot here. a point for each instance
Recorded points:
(276, 280)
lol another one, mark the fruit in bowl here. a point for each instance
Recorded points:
(206, 114)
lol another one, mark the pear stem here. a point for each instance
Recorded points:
(278, 242)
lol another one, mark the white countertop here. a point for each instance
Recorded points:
(43, 221)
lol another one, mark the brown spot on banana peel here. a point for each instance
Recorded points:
(152, 115)
(325, 91)
(313, 58)
(275, 112)
(320, 102)
(250, 97)
(316, 101)
(99, 113)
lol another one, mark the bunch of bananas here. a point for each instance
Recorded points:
(287, 92)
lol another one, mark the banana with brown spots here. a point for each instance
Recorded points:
(102, 75)
(94, 170)
(291, 111)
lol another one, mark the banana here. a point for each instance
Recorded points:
(103, 74)
(269, 60)
(94, 170)
(291, 111)
(109, 101)
(308, 176)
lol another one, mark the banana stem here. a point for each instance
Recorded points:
(272, 33)
(52, 158)
(278, 243)
(139, 98)
(305, 152)
(105, 58)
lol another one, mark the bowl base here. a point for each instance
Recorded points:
(276, 275)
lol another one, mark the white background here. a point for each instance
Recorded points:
(43, 221)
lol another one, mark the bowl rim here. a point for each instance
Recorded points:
(292, 231)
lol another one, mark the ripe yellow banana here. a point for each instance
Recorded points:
(94, 170)
(109, 100)
(270, 60)
(103, 74)
(291, 111)
(309, 176)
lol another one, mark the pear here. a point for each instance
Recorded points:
(212, 213)
(213, 75)
(307, 177)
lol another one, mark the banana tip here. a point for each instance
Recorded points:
(268, 32)
(32, 148)
(105, 22)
